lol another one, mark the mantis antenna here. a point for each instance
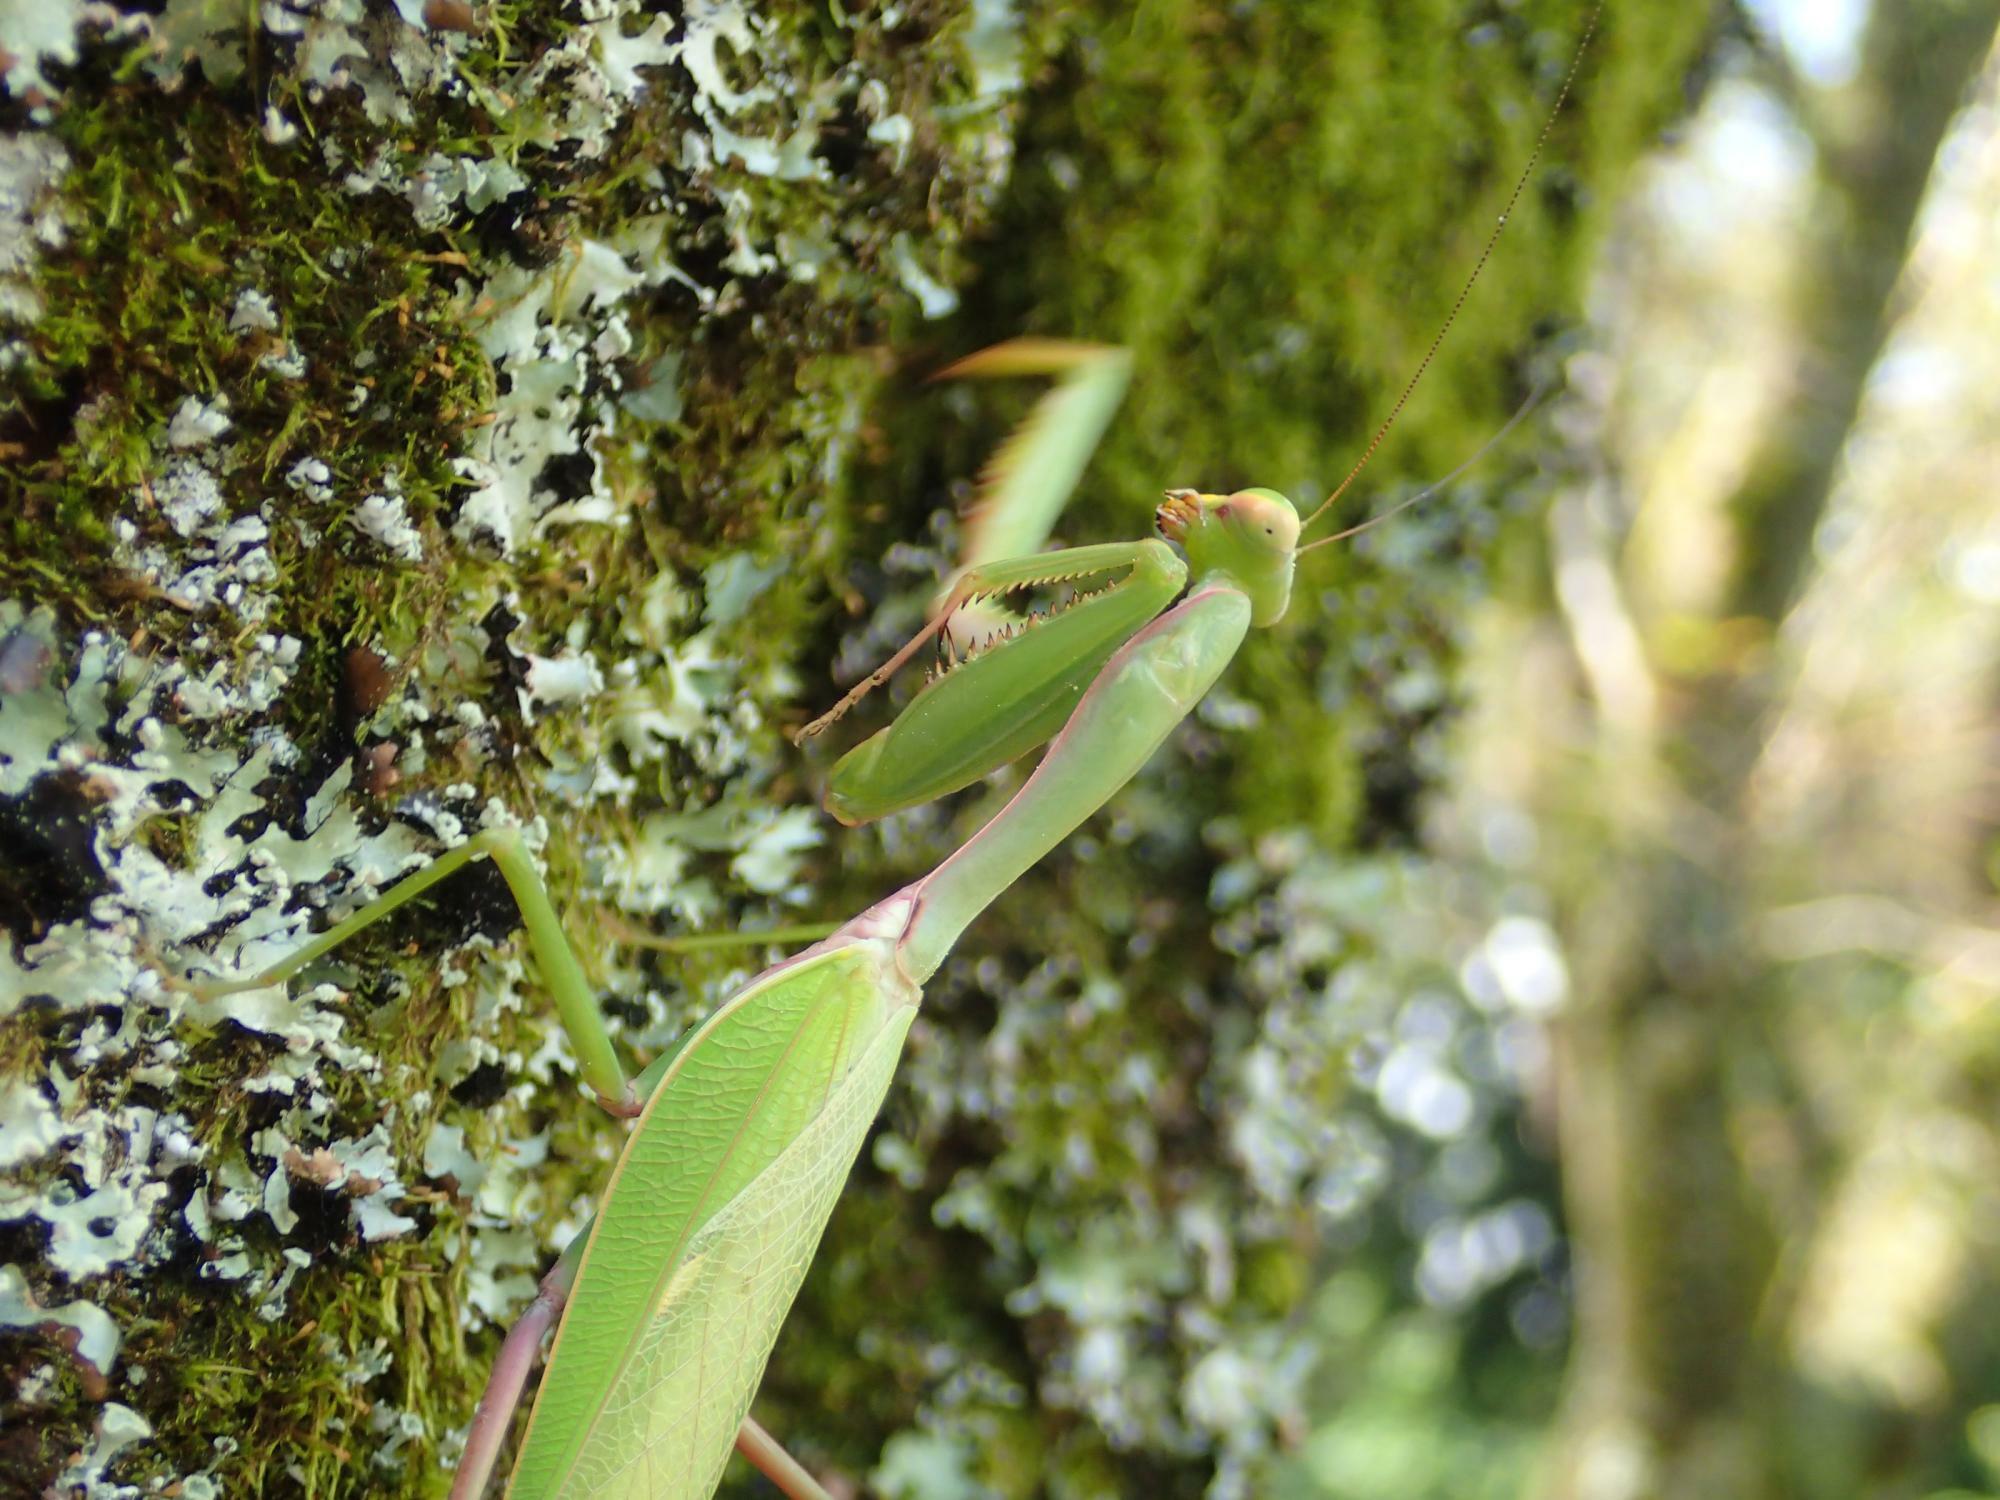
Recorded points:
(1534, 400)
(1520, 186)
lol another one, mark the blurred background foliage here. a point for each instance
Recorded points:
(1746, 723)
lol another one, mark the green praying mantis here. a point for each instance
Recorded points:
(666, 1309)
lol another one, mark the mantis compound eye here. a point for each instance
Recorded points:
(1264, 516)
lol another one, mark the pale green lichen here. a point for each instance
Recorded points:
(34, 33)
(117, 1428)
(97, 1336)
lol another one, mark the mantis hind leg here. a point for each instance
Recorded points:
(502, 1396)
(775, 1464)
(575, 1001)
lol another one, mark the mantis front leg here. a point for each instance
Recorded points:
(1029, 478)
(1000, 704)
(988, 580)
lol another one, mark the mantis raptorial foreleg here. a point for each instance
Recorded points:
(990, 694)
(988, 580)
(1030, 476)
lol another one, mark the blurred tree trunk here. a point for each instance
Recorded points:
(1691, 1155)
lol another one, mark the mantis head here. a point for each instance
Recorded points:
(1251, 538)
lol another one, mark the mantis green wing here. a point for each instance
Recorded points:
(708, 1226)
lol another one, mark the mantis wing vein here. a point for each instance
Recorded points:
(671, 1334)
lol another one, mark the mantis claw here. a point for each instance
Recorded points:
(625, 1106)
(1173, 516)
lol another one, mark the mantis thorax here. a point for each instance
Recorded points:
(1249, 539)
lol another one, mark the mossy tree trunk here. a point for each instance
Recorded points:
(424, 415)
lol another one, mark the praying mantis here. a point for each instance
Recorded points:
(665, 1310)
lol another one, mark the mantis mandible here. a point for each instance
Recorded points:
(746, 1129)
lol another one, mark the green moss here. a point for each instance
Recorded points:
(175, 208)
